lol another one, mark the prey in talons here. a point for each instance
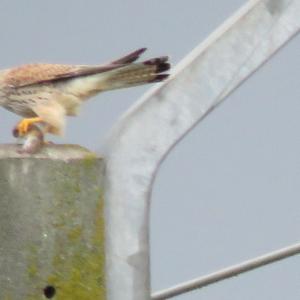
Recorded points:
(33, 139)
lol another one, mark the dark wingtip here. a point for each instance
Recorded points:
(160, 62)
(141, 50)
(164, 58)
(156, 61)
(131, 57)
(159, 78)
(162, 67)
(137, 53)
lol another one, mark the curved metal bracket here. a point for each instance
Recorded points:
(142, 138)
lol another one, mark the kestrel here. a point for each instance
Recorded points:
(46, 93)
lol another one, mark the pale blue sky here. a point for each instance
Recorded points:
(230, 190)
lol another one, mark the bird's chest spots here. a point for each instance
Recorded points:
(26, 93)
(19, 107)
(21, 101)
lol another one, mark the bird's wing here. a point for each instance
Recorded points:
(46, 73)
(32, 74)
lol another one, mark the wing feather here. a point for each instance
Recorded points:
(32, 74)
(46, 73)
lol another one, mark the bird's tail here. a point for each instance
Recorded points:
(134, 74)
(122, 73)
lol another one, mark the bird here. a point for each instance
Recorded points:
(47, 93)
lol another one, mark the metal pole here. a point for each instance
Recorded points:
(226, 273)
(51, 224)
(143, 137)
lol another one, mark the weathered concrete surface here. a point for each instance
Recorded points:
(51, 224)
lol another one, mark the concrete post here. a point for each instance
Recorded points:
(51, 224)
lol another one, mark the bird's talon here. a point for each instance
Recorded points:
(24, 126)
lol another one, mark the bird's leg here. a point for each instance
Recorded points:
(33, 139)
(24, 124)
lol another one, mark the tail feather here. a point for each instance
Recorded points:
(137, 74)
(122, 73)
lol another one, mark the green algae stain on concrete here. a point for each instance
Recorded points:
(33, 262)
(7, 297)
(79, 275)
(75, 227)
(89, 160)
(78, 261)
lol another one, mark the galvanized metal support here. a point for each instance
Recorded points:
(228, 272)
(51, 224)
(140, 141)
